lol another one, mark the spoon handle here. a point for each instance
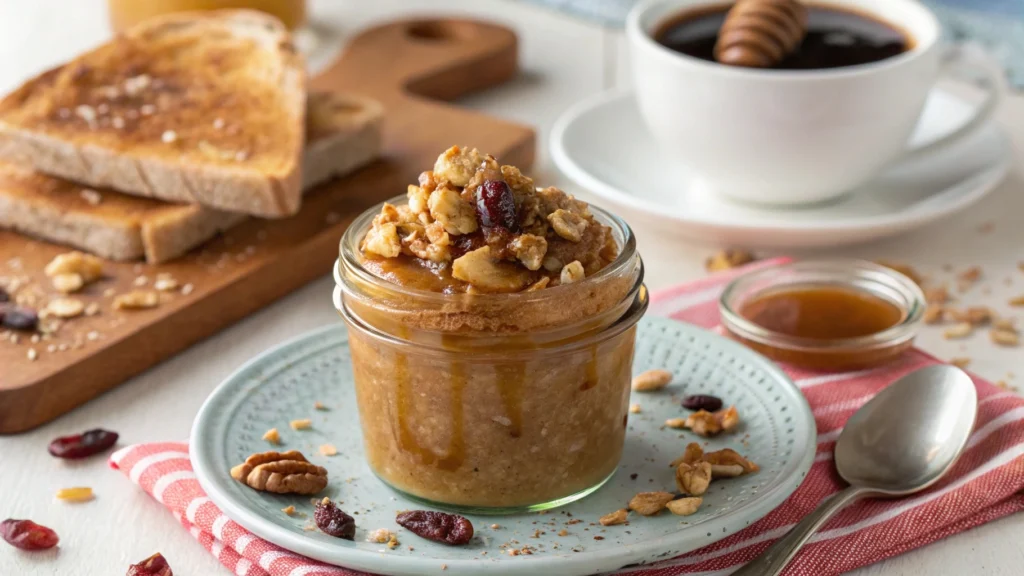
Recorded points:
(772, 561)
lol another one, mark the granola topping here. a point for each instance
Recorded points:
(472, 225)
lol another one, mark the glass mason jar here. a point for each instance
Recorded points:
(493, 403)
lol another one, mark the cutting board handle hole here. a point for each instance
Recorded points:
(441, 30)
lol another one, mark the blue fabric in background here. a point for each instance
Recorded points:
(996, 24)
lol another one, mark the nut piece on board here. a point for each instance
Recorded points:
(281, 473)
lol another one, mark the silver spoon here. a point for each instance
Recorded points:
(901, 442)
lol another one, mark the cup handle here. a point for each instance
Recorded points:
(967, 63)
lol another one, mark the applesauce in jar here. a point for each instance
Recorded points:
(491, 327)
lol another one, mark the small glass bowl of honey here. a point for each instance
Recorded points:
(824, 314)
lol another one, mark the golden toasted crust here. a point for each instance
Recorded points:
(344, 134)
(192, 107)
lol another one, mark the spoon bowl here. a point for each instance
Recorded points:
(910, 434)
(901, 442)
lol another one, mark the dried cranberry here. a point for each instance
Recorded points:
(437, 526)
(28, 535)
(17, 318)
(155, 565)
(333, 521)
(466, 243)
(702, 402)
(83, 445)
(496, 206)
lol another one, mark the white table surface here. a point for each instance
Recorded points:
(563, 60)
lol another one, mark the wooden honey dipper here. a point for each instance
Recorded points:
(761, 33)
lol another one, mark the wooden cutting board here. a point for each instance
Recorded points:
(403, 64)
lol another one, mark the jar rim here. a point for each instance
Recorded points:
(350, 261)
(855, 274)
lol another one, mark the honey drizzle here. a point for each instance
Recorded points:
(407, 441)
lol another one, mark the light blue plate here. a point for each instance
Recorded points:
(282, 385)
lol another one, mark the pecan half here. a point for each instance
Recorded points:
(281, 473)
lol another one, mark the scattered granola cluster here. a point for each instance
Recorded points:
(488, 226)
(694, 472)
(31, 311)
(962, 322)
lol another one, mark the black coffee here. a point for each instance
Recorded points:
(835, 38)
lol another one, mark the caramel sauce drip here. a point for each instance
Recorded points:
(407, 441)
(822, 312)
(761, 33)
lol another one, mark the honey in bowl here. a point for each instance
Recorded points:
(827, 315)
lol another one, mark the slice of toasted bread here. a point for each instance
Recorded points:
(204, 107)
(344, 133)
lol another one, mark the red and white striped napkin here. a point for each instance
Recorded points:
(984, 485)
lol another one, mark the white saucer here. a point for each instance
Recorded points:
(603, 145)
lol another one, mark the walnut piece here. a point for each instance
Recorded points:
(651, 380)
(961, 330)
(572, 272)
(281, 473)
(685, 506)
(729, 418)
(65, 307)
(720, 460)
(650, 503)
(693, 453)
(136, 300)
(614, 518)
(568, 225)
(484, 272)
(530, 250)
(703, 423)
(975, 315)
(457, 165)
(383, 240)
(67, 283)
(693, 479)
(455, 214)
(87, 266)
(1007, 338)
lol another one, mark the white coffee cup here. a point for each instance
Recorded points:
(793, 137)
